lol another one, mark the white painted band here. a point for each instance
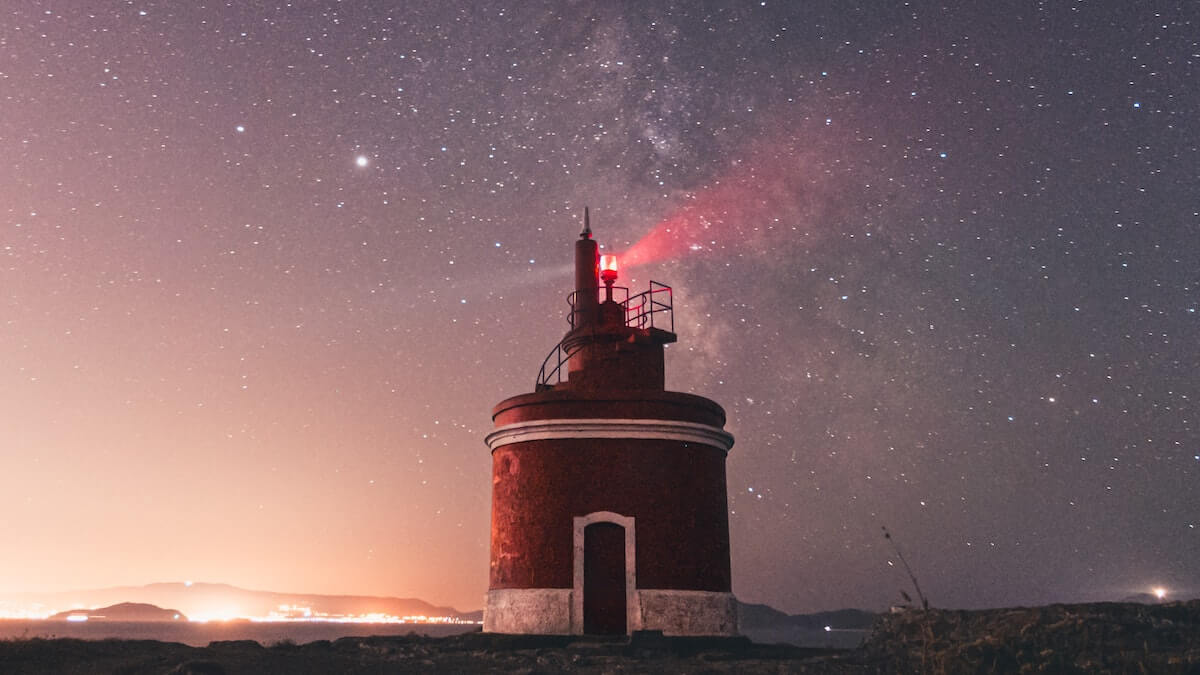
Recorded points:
(671, 430)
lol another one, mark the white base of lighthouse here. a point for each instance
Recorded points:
(538, 611)
(548, 611)
(688, 612)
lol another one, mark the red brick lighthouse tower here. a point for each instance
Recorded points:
(609, 508)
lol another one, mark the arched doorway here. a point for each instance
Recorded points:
(604, 598)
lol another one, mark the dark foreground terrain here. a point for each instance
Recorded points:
(1095, 638)
(467, 653)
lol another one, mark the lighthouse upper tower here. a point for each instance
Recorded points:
(615, 342)
(609, 507)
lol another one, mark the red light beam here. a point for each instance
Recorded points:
(777, 191)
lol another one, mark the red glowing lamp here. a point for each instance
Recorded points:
(608, 269)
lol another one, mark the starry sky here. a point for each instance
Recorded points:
(265, 268)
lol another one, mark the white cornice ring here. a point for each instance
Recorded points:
(672, 430)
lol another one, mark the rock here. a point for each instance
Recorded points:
(197, 668)
(1056, 638)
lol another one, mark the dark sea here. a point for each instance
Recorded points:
(200, 634)
(844, 638)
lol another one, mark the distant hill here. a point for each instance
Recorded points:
(204, 600)
(125, 611)
(751, 616)
(1144, 598)
(847, 628)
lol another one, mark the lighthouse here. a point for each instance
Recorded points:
(609, 505)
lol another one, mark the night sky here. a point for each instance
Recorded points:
(265, 268)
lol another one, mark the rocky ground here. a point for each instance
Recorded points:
(469, 653)
(1092, 638)
(1096, 638)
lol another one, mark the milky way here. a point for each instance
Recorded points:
(264, 270)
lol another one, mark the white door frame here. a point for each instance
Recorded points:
(633, 613)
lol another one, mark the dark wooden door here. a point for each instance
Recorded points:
(604, 579)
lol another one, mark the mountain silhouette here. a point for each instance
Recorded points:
(124, 611)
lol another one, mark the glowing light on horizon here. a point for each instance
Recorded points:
(1160, 592)
(282, 614)
(301, 613)
(227, 614)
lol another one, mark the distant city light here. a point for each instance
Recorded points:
(283, 614)
(227, 614)
(1160, 592)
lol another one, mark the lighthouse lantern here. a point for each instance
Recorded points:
(608, 268)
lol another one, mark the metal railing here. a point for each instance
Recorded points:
(659, 301)
(620, 295)
(558, 356)
(653, 308)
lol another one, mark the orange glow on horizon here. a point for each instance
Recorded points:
(285, 614)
